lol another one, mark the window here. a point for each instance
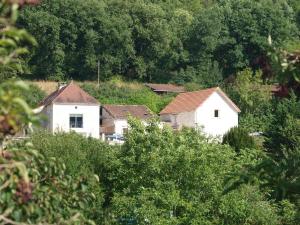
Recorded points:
(125, 130)
(101, 115)
(216, 113)
(76, 121)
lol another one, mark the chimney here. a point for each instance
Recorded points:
(61, 85)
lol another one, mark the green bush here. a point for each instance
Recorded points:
(84, 157)
(238, 138)
(284, 130)
(37, 189)
(34, 96)
(253, 98)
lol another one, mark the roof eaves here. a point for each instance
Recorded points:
(50, 98)
(76, 103)
(229, 101)
(181, 94)
(108, 111)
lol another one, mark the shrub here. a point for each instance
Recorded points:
(37, 189)
(238, 138)
(284, 129)
(254, 98)
(83, 157)
(34, 96)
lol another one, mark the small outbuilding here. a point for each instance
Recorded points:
(165, 88)
(70, 108)
(210, 109)
(114, 118)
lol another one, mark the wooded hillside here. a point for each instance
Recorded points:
(163, 41)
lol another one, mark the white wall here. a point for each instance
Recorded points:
(91, 113)
(120, 124)
(204, 117)
(216, 126)
(186, 119)
(177, 121)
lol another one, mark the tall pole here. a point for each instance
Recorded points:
(98, 74)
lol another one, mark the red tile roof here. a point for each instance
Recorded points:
(166, 88)
(70, 93)
(123, 111)
(189, 101)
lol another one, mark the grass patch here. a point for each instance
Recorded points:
(129, 93)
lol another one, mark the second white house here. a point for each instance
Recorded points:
(114, 118)
(211, 109)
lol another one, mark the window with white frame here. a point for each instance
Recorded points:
(76, 121)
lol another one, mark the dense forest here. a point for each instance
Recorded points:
(157, 176)
(202, 41)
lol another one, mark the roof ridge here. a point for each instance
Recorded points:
(213, 89)
(51, 96)
(206, 89)
(228, 100)
(123, 105)
(122, 111)
(189, 101)
(70, 93)
(164, 83)
(61, 90)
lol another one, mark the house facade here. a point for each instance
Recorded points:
(211, 109)
(114, 118)
(69, 108)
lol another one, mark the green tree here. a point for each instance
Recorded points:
(136, 39)
(13, 43)
(234, 33)
(238, 138)
(277, 170)
(254, 98)
(178, 178)
(284, 129)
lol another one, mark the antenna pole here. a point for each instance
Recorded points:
(98, 73)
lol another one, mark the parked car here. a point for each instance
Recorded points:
(114, 139)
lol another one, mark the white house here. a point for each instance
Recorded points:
(114, 117)
(69, 108)
(210, 109)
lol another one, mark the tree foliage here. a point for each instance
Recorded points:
(165, 178)
(162, 177)
(284, 130)
(253, 97)
(238, 138)
(180, 41)
(14, 42)
(37, 189)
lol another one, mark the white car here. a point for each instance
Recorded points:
(115, 139)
